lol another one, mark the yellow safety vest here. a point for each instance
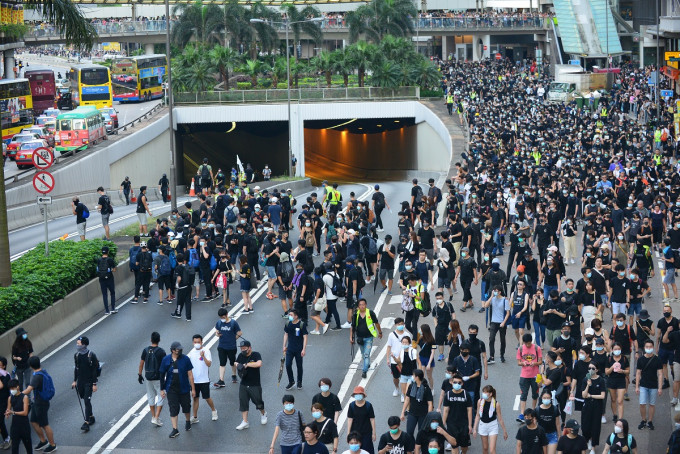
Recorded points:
(369, 323)
(334, 196)
(449, 99)
(657, 135)
(418, 298)
(657, 159)
(603, 113)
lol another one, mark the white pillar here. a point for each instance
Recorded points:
(445, 53)
(297, 140)
(486, 39)
(9, 63)
(148, 49)
(643, 30)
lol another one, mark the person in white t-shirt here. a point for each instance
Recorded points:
(394, 349)
(201, 359)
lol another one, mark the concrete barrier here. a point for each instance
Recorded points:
(46, 328)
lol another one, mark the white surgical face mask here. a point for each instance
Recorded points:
(197, 346)
(14, 392)
(649, 351)
(617, 429)
(616, 352)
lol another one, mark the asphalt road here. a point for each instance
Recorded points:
(126, 111)
(123, 423)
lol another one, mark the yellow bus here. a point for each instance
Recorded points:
(138, 78)
(91, 86)
(16, 107)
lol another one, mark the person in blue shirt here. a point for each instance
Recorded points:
(294, 346)
(669, 265)
(468, 368)
(177, 385)
(227, 330)
(274, 212)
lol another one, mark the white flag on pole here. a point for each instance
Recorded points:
(239, 164)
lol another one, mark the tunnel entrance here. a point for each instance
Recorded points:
(256, 143)
(370, 149)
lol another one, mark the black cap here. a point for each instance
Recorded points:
(244, 343)
(105, 250)
(84, 340)
(20, 331)
(572, 424)
(565, 324)
(599, 341)
(176, 346)
(644, 314)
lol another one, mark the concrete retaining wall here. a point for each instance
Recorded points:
(51, 325)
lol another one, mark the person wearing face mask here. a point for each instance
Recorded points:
(395, 440)
(649, 383)
(433, 430)
(294, 347)
(201, 360)
(394, 342)
(177, 385)
(22, 349)
(499, 308)
(85, 376)
(548, 418)
(327, 428)
(5, 379)
(457, 413)
(469, 274)
(566, 345)
(289, 424)
(617, 371)
(571, 442)
(354, 440)
(593, 395)
(328, 400)
(17, 406)
(531, 438)
(418, 402)
(620, 441)
(619, 291)
(361, 421)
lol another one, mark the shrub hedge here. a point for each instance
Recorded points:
(39, 281)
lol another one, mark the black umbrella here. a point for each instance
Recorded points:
(283, 361)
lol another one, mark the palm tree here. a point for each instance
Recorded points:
(266, 33)
(380, 18)
(201, 76)
(252, 68)
(235, 23)
(278, 70)
(361, 55)
(196, 21)
(224, 59)
(310, 28)
(342, 65)
(386, 73)
(324, 63)
(297, 68)
(425, 74)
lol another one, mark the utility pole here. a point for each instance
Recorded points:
(658, 64)
(173, 170)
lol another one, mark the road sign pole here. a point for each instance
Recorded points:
(47, 247)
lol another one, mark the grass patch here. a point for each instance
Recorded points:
(133, 229)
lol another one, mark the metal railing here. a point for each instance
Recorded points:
(297, 95)
(68, 153)
(45, 31)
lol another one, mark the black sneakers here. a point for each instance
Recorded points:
(290, 386)
(174, 433)
(187, 425)
(85, 427)
(40, 446)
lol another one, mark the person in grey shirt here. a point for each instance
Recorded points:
(500, 314)
(289, 424)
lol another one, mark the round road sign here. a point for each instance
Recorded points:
(43, 158)
(43, 182)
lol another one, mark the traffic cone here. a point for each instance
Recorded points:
(192, 190)
(63, 237)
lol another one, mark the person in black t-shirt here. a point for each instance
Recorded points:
(531, 438)
(386, 256)
(433, 430)
(418, 402)
(248, 364)
(648, 383)
(457, 413)
(395, 440)
(572, 442)
(106, 281)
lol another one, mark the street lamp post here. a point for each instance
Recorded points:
(173, 176)
(287, 23)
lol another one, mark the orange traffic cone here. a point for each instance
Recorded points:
(192, 190)
(63, 237)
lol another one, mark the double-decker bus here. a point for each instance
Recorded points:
(80, 127)
(138, 78)
(43, 89)
(16, 107)
(91, 85)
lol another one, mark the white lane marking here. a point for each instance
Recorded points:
(515, 407)
(97, 446)
(237, 311)
(395, 300)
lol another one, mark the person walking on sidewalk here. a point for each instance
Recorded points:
(185, 275)
(105, 208)
(177, 384)
(142, 211)
(163, 185)
(201, 360)
(105, 269)
(248, 363)
(294, 347)
(85, 376)
(150, 363)
(41, 385)
(81, 213)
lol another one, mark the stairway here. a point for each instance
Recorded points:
(587, 27)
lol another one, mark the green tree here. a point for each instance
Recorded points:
(267, 35)
(312, 29)
(297, 69)
(380, 18)
(196, 21)
(324, 63)
(253, 68)
(278, 70)
(424, 73)
(386, 73)
(223, 59)
(361, 55)
(342, 65)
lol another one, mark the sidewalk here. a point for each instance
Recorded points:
(458, 133)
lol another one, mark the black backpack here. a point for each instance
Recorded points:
(188, 275)
(427, 306)
(338, 288)
(287, 272)
(419, 194)
(205, 172)
(151, 364)
(94, 362)
(103, 268)
(145, 261)
(361, 282)
(252, 244)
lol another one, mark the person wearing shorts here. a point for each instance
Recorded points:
(457, 413)
(81, 222)
(142, 211)
(177, 385)
(648, 383)
(619, 291)
(201, 360)
(248, 364)
(227, 331)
